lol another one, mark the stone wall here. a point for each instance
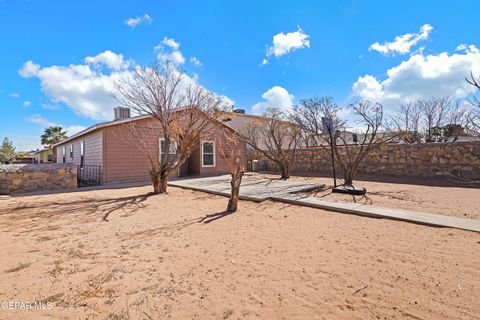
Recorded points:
(18, 178)
(461, 159)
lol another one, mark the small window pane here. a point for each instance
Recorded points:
(208, 159)
(172, 148)
(207, 147)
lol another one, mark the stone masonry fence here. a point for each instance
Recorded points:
(18, 178)
(460, 159)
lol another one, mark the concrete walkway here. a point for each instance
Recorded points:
(260, 189)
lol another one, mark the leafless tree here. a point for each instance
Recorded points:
(182, 114)
(308, 115)
(232, 150)
(433, 112)
(275, 138)
(474, 115)
(406, 123)
(456, 121)
(370, 115)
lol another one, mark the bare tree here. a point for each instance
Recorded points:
(276, 138)
(182, 114)
(474, 115)
(433, 112)
(406, 123)
(456, 121)
(309, 113)
(349, 157)
(232, 149)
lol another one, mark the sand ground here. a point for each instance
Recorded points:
(410, 194)
(125, 254)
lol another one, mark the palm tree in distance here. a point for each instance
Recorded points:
(52, 135)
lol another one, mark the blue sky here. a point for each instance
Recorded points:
(312, 48)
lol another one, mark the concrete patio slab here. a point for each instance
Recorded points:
(261, 189)
(253, 188)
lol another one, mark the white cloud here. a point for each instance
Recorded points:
(276, 97)
(26, 103)
(174, 57)
(422, 76)
(111, 60)
(226, 101)
(71, 130)
(264, 62)
(168, 52)
(38, 119)
(286, 43)
(83, 89)
(169, 42)
(14, 95)
(194, 60)
(29, 69)
(133, 22)
(402, 44)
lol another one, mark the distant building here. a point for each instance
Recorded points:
(25, 158)
(44, 156)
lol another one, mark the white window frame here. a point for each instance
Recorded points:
(71, 152)
(82, 154)
(160, 147)
(214, 154)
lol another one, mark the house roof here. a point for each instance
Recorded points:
(43, 150)
(100, 126)
(117, 122)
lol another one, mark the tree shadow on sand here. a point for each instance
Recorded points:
(32, 214)
(209, 218)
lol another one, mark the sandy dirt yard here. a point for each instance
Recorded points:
(409, 194)
(125, 254)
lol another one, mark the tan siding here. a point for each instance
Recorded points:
(221, 164)
(59, 153)
(125, 160)
(122, 158)
(93, 149)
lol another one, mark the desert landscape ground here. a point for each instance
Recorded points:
(127, 254)
(437, 196)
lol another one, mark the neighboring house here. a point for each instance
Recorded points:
(239, 121)
(25, 158)
(102, 145)
(44, 156)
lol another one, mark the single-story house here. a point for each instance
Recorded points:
(44, 156)
(103, 145)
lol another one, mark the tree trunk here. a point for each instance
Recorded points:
(159, 182)
(348, 178)
(235, 184)
(285, 168)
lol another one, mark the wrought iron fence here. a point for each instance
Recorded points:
(88, 176)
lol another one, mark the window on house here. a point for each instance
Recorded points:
(208, 154)
(64, 152)
(82, 154)
(71, 151)
(172, 148)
